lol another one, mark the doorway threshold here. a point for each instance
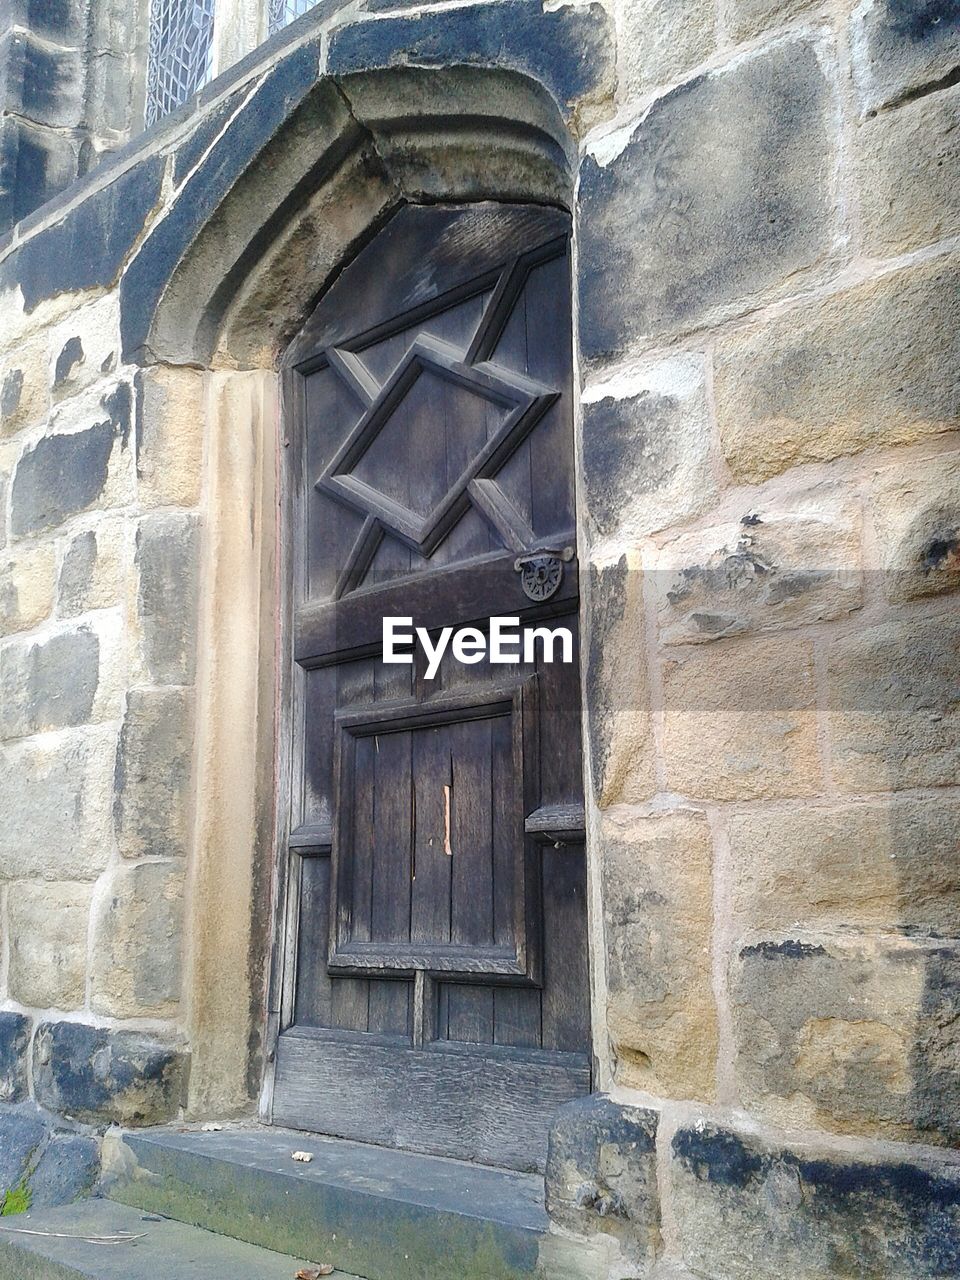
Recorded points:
(371, 1211)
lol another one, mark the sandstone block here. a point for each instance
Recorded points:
(84, 347)
(749, 18)
(42, 82)
(779, 566)
(647, 454)
(27, 582)
(659, 42)
(894, 705)
(901, 48)
(170, 436)
(15, 1032)
(24, 386)
(856, 1035)
(749, 1208)
(68, 677)
(601, 1175)
(55, 797)
(51, 683)
(44, 161)
(740, 722)
(60, 475)
(619, 729)
(102, 1076)
(721, 195)
(657, 904)
(95, 568)
(907, 163)
(877, 365)
(916, 514)
(48, 943)
(167, 557)
(153, 773)
(137, 942)
(890, 864)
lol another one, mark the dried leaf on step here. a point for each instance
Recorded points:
(314, 1273)
(304, 1157)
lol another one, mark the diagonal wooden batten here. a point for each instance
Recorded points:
(360, 557)
(355, 374)
(501, 514)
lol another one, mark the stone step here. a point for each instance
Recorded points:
(164, 1250)
(372, 1211)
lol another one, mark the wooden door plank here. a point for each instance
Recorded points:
(566, 991)
(494, 1106)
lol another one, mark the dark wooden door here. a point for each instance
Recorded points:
(436, 993)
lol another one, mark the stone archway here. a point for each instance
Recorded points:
(352, 152)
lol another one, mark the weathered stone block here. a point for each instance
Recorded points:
(84, 348)
(907, 163)
(569, 50)
(15, 1029)
(48, 943)
(102, 1076)
(168, 548)
(894, 706)
(24, 386)
(41, 81)
(68, 1170)
(58, 21)
(916, 515)
(902, 48)
(619, 729)
(658, 42)
(657, 902)
(26, 588)
(153, 773)
(601, 1175)
(88, 247)
(62, 474)
(876, 365)
(888, 864)
(740, 721)
(647, 453)
(95, 568)
(749, 18)
(55, 799)
(22, 1130)
(748, 1208)
(36, 162)
(850, 1034)
(51, 683)
(721, 196)
(137, 942)
(785, 565)
(170, 436)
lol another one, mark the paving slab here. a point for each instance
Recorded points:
(66, 1249)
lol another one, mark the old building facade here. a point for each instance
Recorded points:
(762, 202)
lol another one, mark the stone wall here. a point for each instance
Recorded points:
(767, 240)
(769, 307)
(98, 603)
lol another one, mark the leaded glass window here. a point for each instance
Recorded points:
(283, 12)
(180, 54)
